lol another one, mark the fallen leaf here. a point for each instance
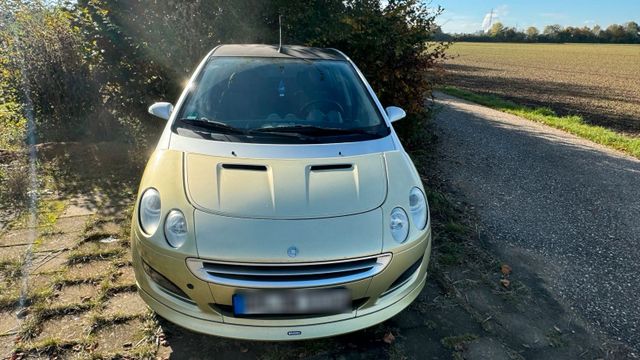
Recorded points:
(505, 269)
(505, 282)
(389, 338)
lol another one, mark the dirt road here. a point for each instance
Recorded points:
(551, 204)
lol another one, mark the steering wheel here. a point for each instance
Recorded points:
(334, 105)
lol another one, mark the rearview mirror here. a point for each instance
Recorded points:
(161, 109)
(395, 113)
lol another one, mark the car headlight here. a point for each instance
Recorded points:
(175, 228)
(149, 211)
(399, 225)
(418, 208)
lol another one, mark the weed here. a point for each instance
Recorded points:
(82, 257)
(47, 312)
(46, 348)
(11, 268)
(30, 328)
(100, 322)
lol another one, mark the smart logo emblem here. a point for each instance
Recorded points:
(292, 251)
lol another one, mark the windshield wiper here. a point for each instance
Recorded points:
(221, 127)
(313, 130)
(213, 125)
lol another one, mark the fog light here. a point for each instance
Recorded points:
(164, 283)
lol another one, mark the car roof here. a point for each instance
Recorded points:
(271, 51)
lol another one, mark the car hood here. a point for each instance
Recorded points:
(285, 188)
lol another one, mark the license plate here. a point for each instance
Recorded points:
(284, 302)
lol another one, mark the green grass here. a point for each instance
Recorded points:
(573, 124)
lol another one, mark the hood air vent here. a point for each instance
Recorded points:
(331, 167)
(244, 167)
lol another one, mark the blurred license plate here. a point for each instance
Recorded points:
(282, 302)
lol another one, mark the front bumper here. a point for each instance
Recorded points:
(201, 312)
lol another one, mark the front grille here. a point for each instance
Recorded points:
(288, 275)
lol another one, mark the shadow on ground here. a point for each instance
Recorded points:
(102, 175)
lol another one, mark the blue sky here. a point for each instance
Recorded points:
(468, 15)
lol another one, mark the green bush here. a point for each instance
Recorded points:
(45, 56)
(12, 125)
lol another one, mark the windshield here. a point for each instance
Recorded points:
(276, 100)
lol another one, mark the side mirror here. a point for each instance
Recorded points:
(161, 109)
(395, 113)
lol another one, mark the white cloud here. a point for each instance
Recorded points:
(493, 16)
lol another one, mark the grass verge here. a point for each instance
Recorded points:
(573, 124)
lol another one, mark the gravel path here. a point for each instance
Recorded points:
(564, 207)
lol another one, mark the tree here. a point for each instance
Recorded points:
(633, 30)
(596, 30)
(616, 33)
(628, 33)
(552, 32)
(511, 34)
(496, 29)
